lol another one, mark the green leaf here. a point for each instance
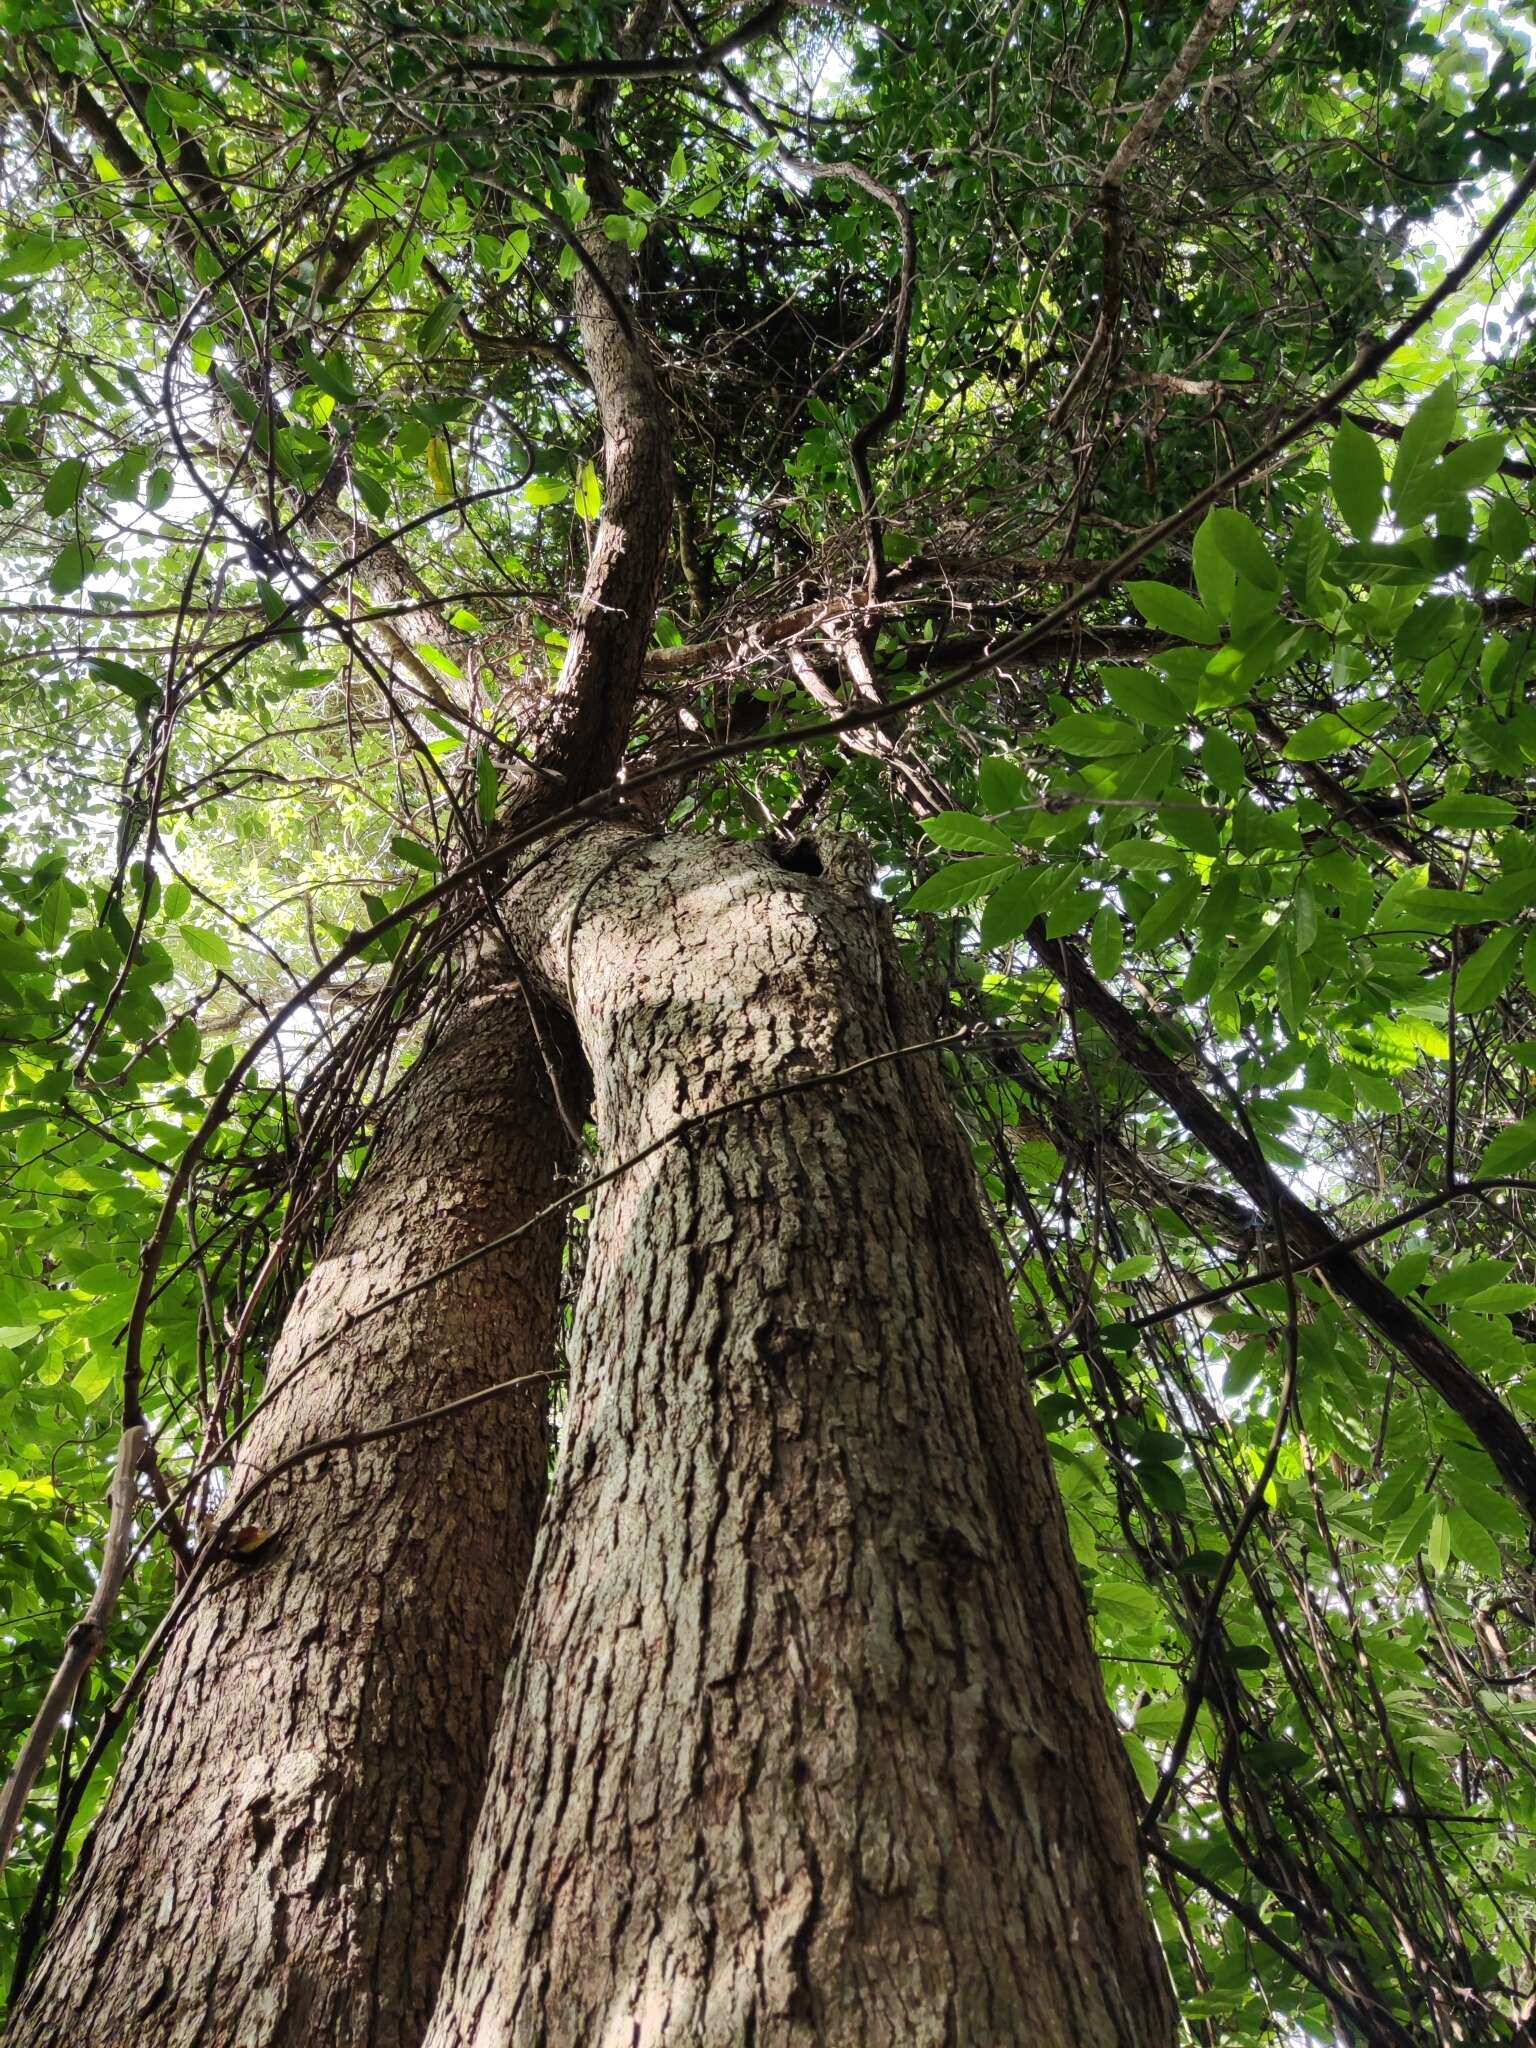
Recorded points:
(546, 490)
(705, 204)
(158, 489)
(1163, 1486)
(132, 682)
(63, 488)
(32, 255)
(219, 1069)
(95, 1376)
(70, 568)
(1356, 473)
(1473, 1545)
(1222, 759)
(1325, 734)
(184, 1044)
(1236, 537)
(487, 786)
(1215, 577)
(1510, 1151)
(1013, 907)
(1174, 611)
(1431, 425)
(1106, 943)
(1486, 974)
(677, 170)
(206, 945)
(414, 853)
(1168, 911)
(960, 882)
(1093, 735)
(1497, 1513)
(1466, 467)
(438, 325)
(1145, 695)
(960, 832)
(589, 492)
(1470, 812)
(1000, 783)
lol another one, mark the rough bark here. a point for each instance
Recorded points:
(280, 1861)
(804, 1740)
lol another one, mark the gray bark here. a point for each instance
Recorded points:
(280, 1861)
(805, 1740)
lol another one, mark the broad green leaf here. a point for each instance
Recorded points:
(546, 490)
(1510, 1152)
(1106, 943)
(1093, 735)
(206, 945)
(1320, 736)
(960, 882)
(438, 325)
(1144, 694)
(219, 1069)
(1222, 759)
(414, 853)
(1496, 1512)
(487, 786)
(1473, 1544)
(1431, 425)
(589, 492)
(1168, 912)
(1173, 611)
(1013, 906)
(70, 568)
(1163, 1487)
(1471, 812)
(95, 1376)
(440, 469)
(1215, 577)
(1000, 783)
(1235, 536)
(1464, 468)
(960, 832)
(63, 489)
(132, 682)
(32, 255)
(1486, 974)
(1356, 473)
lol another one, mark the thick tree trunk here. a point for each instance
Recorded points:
(281, 1859)
(805, 1740)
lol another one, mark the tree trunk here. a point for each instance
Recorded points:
(281, 1859)
(805, 1740)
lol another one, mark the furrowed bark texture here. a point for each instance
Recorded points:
(804, 1741)
(281, 1859)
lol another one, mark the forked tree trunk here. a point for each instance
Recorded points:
(805, 1740)
(280, 1862)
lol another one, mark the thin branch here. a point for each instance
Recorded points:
(86, 1640)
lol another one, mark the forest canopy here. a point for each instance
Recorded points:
(1098, 448)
